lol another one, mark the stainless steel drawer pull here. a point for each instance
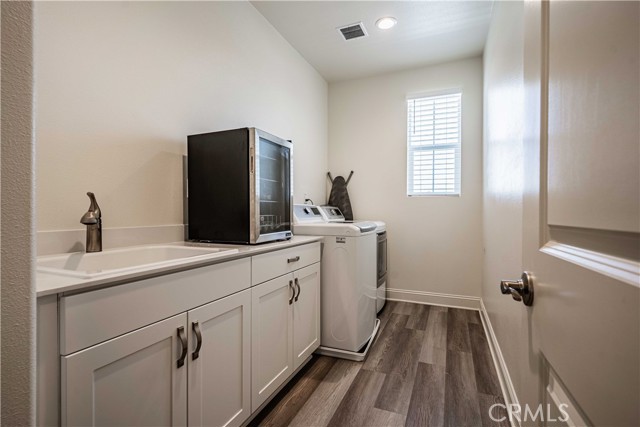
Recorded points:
(293, 290)
(298, 287)
(183, 346)
(196, 330)
(294, 259)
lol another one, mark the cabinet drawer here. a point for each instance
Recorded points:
(93, 317)
(273, 264)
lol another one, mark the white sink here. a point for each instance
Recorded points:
(115, 261)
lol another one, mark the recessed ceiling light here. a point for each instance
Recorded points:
(386, 22)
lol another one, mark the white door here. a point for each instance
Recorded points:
(130, 380)
(219, 362)
(306, 313)
(271, 337)
(581, 207)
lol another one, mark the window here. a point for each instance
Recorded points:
(433, 144)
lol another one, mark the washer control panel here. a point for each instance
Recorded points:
(307, 214)
(331, 214)
(312, 213)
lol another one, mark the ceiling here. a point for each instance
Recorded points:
(427, 32)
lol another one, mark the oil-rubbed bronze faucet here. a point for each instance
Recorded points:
(93, 220)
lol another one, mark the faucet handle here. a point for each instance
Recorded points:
(92, 216)
(94, 205)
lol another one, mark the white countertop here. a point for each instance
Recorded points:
(51, 283)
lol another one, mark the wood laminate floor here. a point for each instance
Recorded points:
(429, 366)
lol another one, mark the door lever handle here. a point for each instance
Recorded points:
(520, 290)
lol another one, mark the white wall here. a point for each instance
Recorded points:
(503, 190)
(435, 243)
(18, 236)
(121, 84)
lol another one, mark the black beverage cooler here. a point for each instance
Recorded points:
(239, 187)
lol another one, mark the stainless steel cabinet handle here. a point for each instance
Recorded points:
(183, 342)
(196, 330)
(294, 292)
(520, 290)
(297, 286)
(294, 259)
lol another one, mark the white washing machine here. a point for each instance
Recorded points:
(332, 214)
(348, 279)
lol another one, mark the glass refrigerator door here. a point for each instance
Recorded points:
(274, 186)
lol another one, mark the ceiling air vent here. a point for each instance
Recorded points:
(353, 31)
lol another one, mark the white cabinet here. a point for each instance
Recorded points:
(132, 379)
(285, 324)
(306, 313)
(222, 350)
(131, 376)
(136, 378)
(219, 362)
(271, 337)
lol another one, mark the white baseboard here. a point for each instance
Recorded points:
(434, 298)
(508, 391)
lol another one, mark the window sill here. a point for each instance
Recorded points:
(433, 195)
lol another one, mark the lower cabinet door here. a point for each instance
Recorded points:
(271, 337)
(130, 380)
(306, 313)
(219, 362)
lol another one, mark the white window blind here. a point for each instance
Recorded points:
(434, 144)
